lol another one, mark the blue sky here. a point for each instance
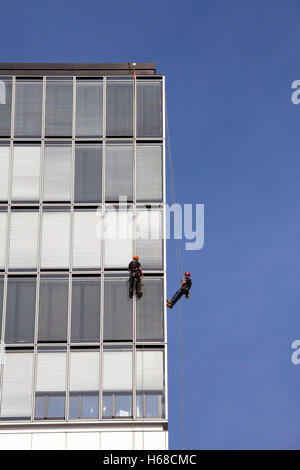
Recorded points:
(236, 148)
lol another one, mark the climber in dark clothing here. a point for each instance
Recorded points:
(186, 284)
(136, 273)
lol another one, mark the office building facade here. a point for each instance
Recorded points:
(82, 189)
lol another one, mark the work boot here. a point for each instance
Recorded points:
(130, 293)
(140, 294)
(169, 303)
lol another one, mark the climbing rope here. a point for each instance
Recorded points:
(179, 271)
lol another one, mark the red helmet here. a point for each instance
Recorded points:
(135, 257)
(187, 274)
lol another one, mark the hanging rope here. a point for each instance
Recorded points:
(179, 272)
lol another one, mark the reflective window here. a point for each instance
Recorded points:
(23, 239)
(26, 173)
(17, 385)
(150, 382)
(119, 108)
(53, 312)
(89, 105)
(117, 310)
(84, 405)
(5, 106)
(3, 227)
(118, 239)
(150, 313)
(149, 185)
(149, 245)
(28, 108)
(119, 172)
(57, 172)
(85, 322)
(55, 239)
(20, 310)
(149, 108)
(4, 166)
(50, 406)
(87, 243)
(59, 107)
(88, 173)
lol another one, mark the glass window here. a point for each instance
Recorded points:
(119, 172)
(1, 302)
(56, 406)
(28, 108)
(119, 108)
(150, 382)
(17, 385)
(149, 108)
(85, 309)
(123, 405)
(50, 406)
(149, 186)
(59, 106)
(107, 405)
(51, 382)
(118, 239)
(4, 166)
(26, 173)
(20, 310)
(57, 172)
(117, 310)
(150, 313)
(55, 239)
(53, 313)
(89, 108)
(23, 240)
(117, 381)
(87, 243)
(149, 244)
(84, 405)
(3, 226)
(5, 106)
(88, 173)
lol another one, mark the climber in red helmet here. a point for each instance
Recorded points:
(136, 273)
(186, 284)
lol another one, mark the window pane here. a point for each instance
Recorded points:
(89, 103)
(23, 240)
(149, 244)
(56, 406)
(59, 107)
(139, 405)
(51, 370)
(88, 173)
(57, 172)
(117, 310)
(1, 302)
(26, 173)
(123, 406)
(107, 411)
(153, 405)
(119, 108)
(4, 165)
(74, 407)
(40, 409)
(3, 226)
(87, 243)
(28, 108)
(149, 186)
(20, 310)
(118, 239)
(55, 240)
(149, 108)
(119, 172)
(5, 106)
(53, 314)
(85, 310)
(17, 385)
(150, 378)
(150, 313)
(89, 406)
(117, 370)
